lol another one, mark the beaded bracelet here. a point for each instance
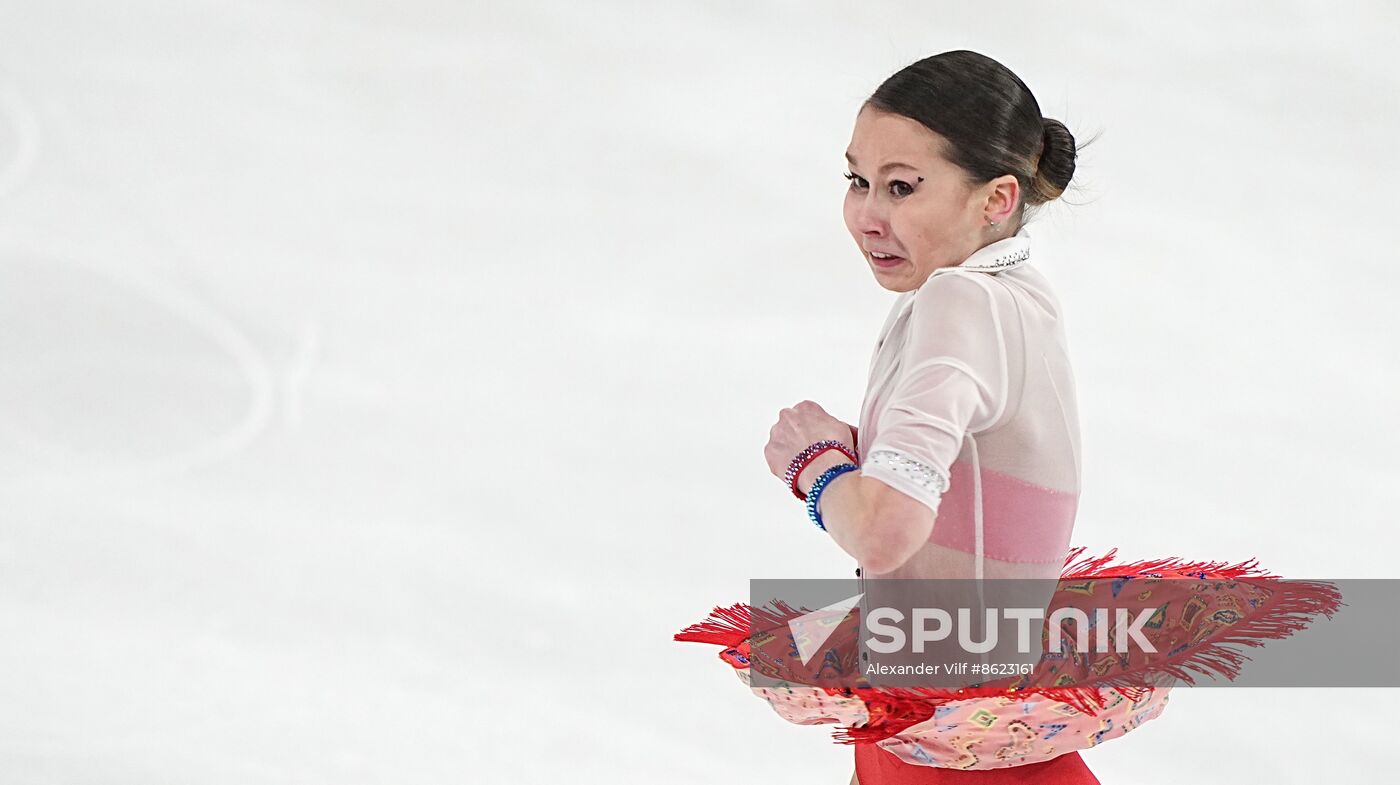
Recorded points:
(814, 497)
(808, 455)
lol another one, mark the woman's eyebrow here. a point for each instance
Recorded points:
(886, 167)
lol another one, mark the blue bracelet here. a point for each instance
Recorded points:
(815, 495)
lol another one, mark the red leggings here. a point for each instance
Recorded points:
(875, 766)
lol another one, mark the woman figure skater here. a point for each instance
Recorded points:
(968, 438)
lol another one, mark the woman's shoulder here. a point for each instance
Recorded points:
(1023, 288)
(956, 291)
(959, 313)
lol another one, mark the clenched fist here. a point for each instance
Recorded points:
(798, 427)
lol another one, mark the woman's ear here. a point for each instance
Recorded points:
(1003, 194)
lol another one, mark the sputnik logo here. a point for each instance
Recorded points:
(811, 630)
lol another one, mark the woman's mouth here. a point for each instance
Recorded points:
(885, 261)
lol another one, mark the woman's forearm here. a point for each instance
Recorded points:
(844, 504)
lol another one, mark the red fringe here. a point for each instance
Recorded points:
(724, 626)
(1304, 600)
(1098, 567)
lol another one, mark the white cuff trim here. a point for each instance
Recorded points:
(904, 467)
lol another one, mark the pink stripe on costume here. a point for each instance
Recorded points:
(1021, 522)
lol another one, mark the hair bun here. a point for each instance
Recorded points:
(1057, 156)
(988, 122)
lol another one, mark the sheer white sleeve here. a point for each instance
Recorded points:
(952, 379)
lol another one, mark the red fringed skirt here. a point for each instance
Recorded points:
(1028, 730)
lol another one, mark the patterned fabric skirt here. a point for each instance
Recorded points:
(1036, 725)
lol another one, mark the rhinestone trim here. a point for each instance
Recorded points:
(1001, 262)
(814, 498)
(805, 457)
(920, 474)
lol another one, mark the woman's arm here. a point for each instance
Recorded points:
(877, 525)
(953, 380)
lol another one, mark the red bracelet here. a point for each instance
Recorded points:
(807, 456)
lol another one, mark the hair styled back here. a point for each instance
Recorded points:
(990, 120)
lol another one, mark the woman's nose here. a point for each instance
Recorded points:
(870, 216)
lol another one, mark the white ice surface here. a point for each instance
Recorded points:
(383, 384)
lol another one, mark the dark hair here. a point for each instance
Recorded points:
(990, 120)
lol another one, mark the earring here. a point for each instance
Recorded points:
(993, 224)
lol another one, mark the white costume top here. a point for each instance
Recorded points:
(970, 409)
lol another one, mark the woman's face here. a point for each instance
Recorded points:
(905, 199)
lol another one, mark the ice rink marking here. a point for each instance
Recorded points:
(251, 362)
(15, 111)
